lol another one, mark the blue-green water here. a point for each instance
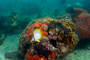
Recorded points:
(15, 15)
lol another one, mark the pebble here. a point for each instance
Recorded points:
(88, 48)
(75, 52)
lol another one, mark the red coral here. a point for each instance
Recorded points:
(35, 57)
(29, 30)
(52, 54)
(46, 24)
(83, 33)
(38, 25)
(83, 23)
(78, 14)
(88, 22)
(28, 36)
(83, 16)
(28, 56)
(79, 11)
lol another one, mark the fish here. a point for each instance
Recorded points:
(14, 23)
(37, 35)
(3, 43)
(38, 15)
(2, 37)
(15, 16)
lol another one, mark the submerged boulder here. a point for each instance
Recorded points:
(48, 39)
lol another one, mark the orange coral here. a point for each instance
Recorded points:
(30, 28)
(29, 31)
(44, 33)
(41, 28)
(38, 24)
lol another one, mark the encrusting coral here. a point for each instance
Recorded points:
(48, 39)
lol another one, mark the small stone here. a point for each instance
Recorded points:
(75, 52)
(88, 48)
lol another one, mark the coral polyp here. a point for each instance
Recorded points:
(48, 39)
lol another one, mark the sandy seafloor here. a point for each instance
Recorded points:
(12, 43)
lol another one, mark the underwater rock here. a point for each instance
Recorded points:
(65, 16)
(88, 48)
(13, 55)
(70, 10)
(75, 52)
(48, 39)
(13, 13)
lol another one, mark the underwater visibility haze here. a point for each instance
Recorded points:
(44, 29)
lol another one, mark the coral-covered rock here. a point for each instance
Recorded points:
(48, 39)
